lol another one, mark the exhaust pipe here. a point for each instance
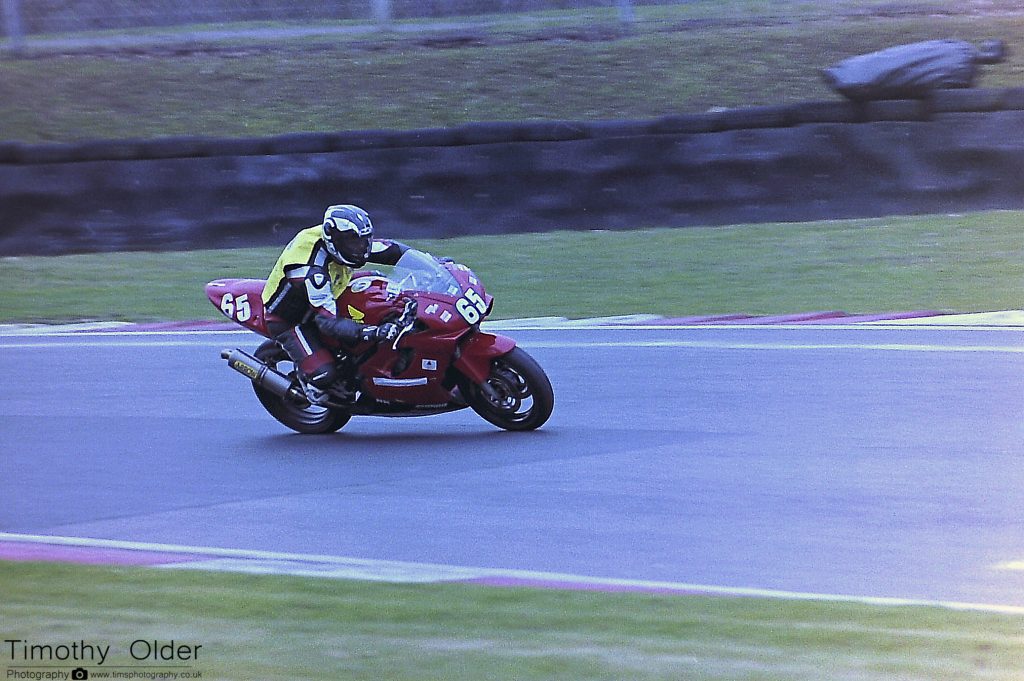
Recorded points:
(258, 372)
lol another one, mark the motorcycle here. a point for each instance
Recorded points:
(440, 361)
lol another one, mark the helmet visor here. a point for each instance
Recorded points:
(351, 248)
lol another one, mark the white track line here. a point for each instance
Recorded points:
(498, 327)
(711, 345)
(563, 345)
(340, 567)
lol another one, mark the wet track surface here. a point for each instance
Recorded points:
(882, 462)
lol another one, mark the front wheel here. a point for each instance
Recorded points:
(519, 394)
(309, 419)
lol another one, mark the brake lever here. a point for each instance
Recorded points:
(406, 321)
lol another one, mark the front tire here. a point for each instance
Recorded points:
(310, 419)
(522, 395)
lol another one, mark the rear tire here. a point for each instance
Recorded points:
(524, 398)
(309, 420)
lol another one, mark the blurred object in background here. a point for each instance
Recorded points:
(912, 71)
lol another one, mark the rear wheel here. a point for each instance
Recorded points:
(308, 419)
(519, 394)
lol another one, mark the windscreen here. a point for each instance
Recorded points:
(418, 271)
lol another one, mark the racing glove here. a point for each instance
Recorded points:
(379, 334)
(349, 331)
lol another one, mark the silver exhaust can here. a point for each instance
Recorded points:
(258, 372)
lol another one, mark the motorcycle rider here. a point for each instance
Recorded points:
(310, 274)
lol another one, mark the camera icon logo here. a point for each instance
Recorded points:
(79, 674)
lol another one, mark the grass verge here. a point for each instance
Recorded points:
(278, 627)
(957, 263)
(567, 66)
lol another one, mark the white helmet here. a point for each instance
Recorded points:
(347, 234)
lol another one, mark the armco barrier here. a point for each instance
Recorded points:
(957, 151)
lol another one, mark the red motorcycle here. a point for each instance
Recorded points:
(440, 361)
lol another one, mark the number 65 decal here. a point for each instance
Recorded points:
(236, 308)
(471, 306)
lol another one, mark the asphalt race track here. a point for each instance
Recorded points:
(879, 462)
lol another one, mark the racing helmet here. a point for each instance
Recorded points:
(347, 234)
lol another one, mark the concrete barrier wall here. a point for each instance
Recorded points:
(961, 150)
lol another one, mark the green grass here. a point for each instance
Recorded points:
(682, 58)
(276, 627)
(963, 263)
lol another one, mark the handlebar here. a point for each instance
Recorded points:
(405, 321)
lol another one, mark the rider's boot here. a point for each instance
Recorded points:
(314, 364)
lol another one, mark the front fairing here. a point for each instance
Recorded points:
(451, 301)
(450, 296)
(417, 271)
